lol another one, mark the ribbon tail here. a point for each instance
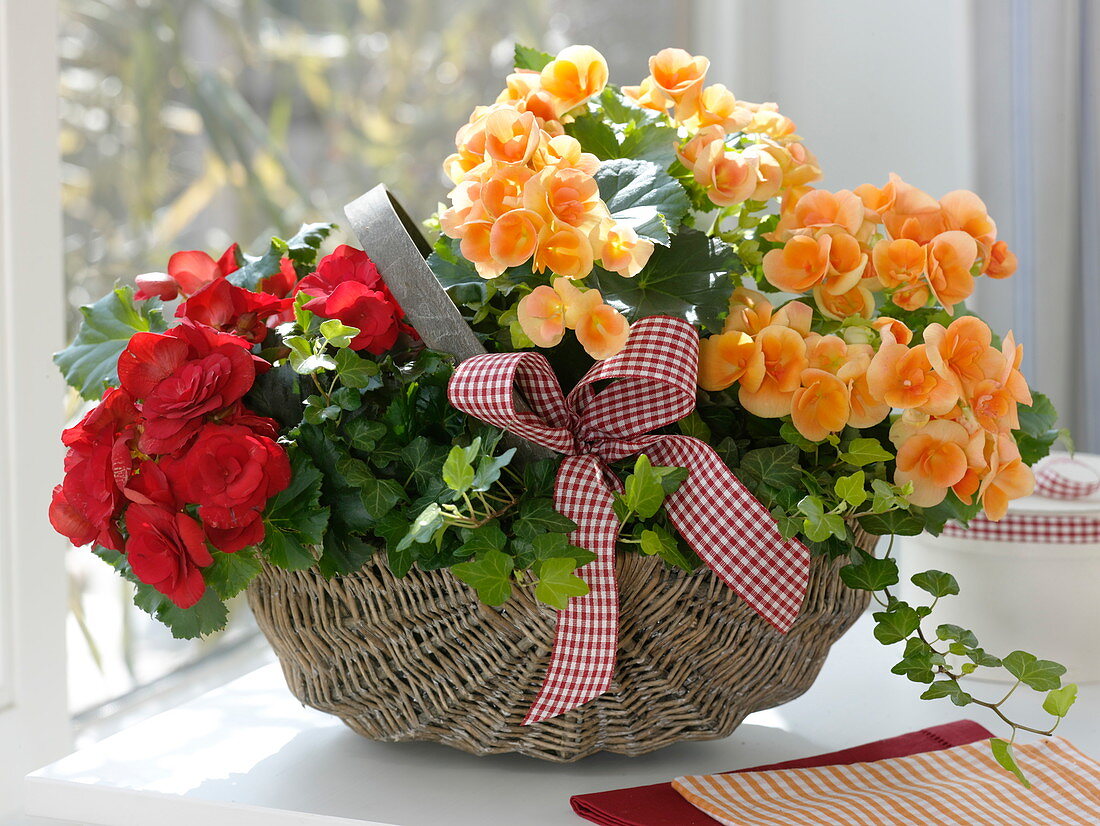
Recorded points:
(733, 533)
(586, 642)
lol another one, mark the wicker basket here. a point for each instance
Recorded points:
(421, 658)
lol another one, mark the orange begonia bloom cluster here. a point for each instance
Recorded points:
(525, 192)
(845, 245)
(774, 158)
(958, 397)
(783, 369)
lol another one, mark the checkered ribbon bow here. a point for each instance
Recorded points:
(606, 417)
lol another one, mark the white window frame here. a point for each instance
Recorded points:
(34, 724)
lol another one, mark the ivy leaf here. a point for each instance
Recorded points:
(337, 334)
(937, 583)
(1059, 700)
(1042, 675)
(789, 434)
(538, 477)
(365, 435)
(870, 573)
(947, 688)
(528, 58)
(776, 466)
(489, 468)
(294, 518)
(90, 363)
(343, 553)
(381, 495)
(642, 195)
(490, 575)
(458, 469)
(898, 523)
(851, 488)
(644, 492)
(896, 623)
(818, 525)
(694, 426)
(537, 516)
(885, 497)
(557, 582)
(689, 279)
(947, 631)
(918, 661)
(862, 452)
(355, 371)
(230, 574)
(424, 459)
(423, 527)
(483, 539)
(301, 249)
(595, 136)
(1002, 753)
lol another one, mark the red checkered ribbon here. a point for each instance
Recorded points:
(606, 417)
(1062, 477)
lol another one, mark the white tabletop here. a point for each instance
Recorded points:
(250, 755)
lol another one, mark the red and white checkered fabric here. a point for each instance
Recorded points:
(1042, 529)
(652, 384)
(1062, 477)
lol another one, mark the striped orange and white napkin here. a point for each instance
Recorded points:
(961, 785)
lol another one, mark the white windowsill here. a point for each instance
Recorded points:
(249, 754)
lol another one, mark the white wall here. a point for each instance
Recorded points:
(874, 87)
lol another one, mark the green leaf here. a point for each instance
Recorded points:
(380, 496)
(537, 516)
(294, 518)
(642, 195)
(90, 363)
(490, 575)
(647, 141)
(533, 59)
(870, 573)
(357, 372)
(898, 523)
(365, 434)
(689, 279)
(644, 492)
(694, 426)
(337, 334)
(458, 470)
(230, 574)
(948, 631)
(851, 488)
(287, 550)
(557, 582)
(423, 527)
(1059, 700)
(937, 583)
(538, 477)
(205, 617)
(1002, 753)
(1037, 433)
(789, 433)
(865, 451)
(918, 661)
(1041, 675)
(818, 525)
(947, 688)
(489, 468)
(886, 497)
(776, 466)
(483, 539)
(301, 249)
(595, 136)
(896, 623)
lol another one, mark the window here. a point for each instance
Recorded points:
(193, 125)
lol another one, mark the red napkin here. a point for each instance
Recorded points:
(661, 805)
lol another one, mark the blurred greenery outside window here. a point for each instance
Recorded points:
(191, 124)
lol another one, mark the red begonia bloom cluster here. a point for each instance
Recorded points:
(172, 462)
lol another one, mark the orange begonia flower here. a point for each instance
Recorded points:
(575, 75)
(523, 88)
(933, 459)
(689, 151)
(716, 106)
(904, 378)
(502, 190)
(476, 248)
(565, 151)
(1001, 261)
(542, 316)
(729, 177)
(649, 95)
(1009, 478)
(514, 236)
(820, 208)
(602, 331)
(796, 315)
(965, 211)
(898, 262)
(893, 330)
(511, 136)
(800, 265)
(858, 301)
(568, 196)
(749, 312)
(766, 120)
(623, 252)
(677, 73)
(728, 358)
(951, 254)
(907, 211)
(769, 173)
(564, 250)
(960, 353)
(784, 354)
(820, 406)
(847, 261)
(866, 410)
